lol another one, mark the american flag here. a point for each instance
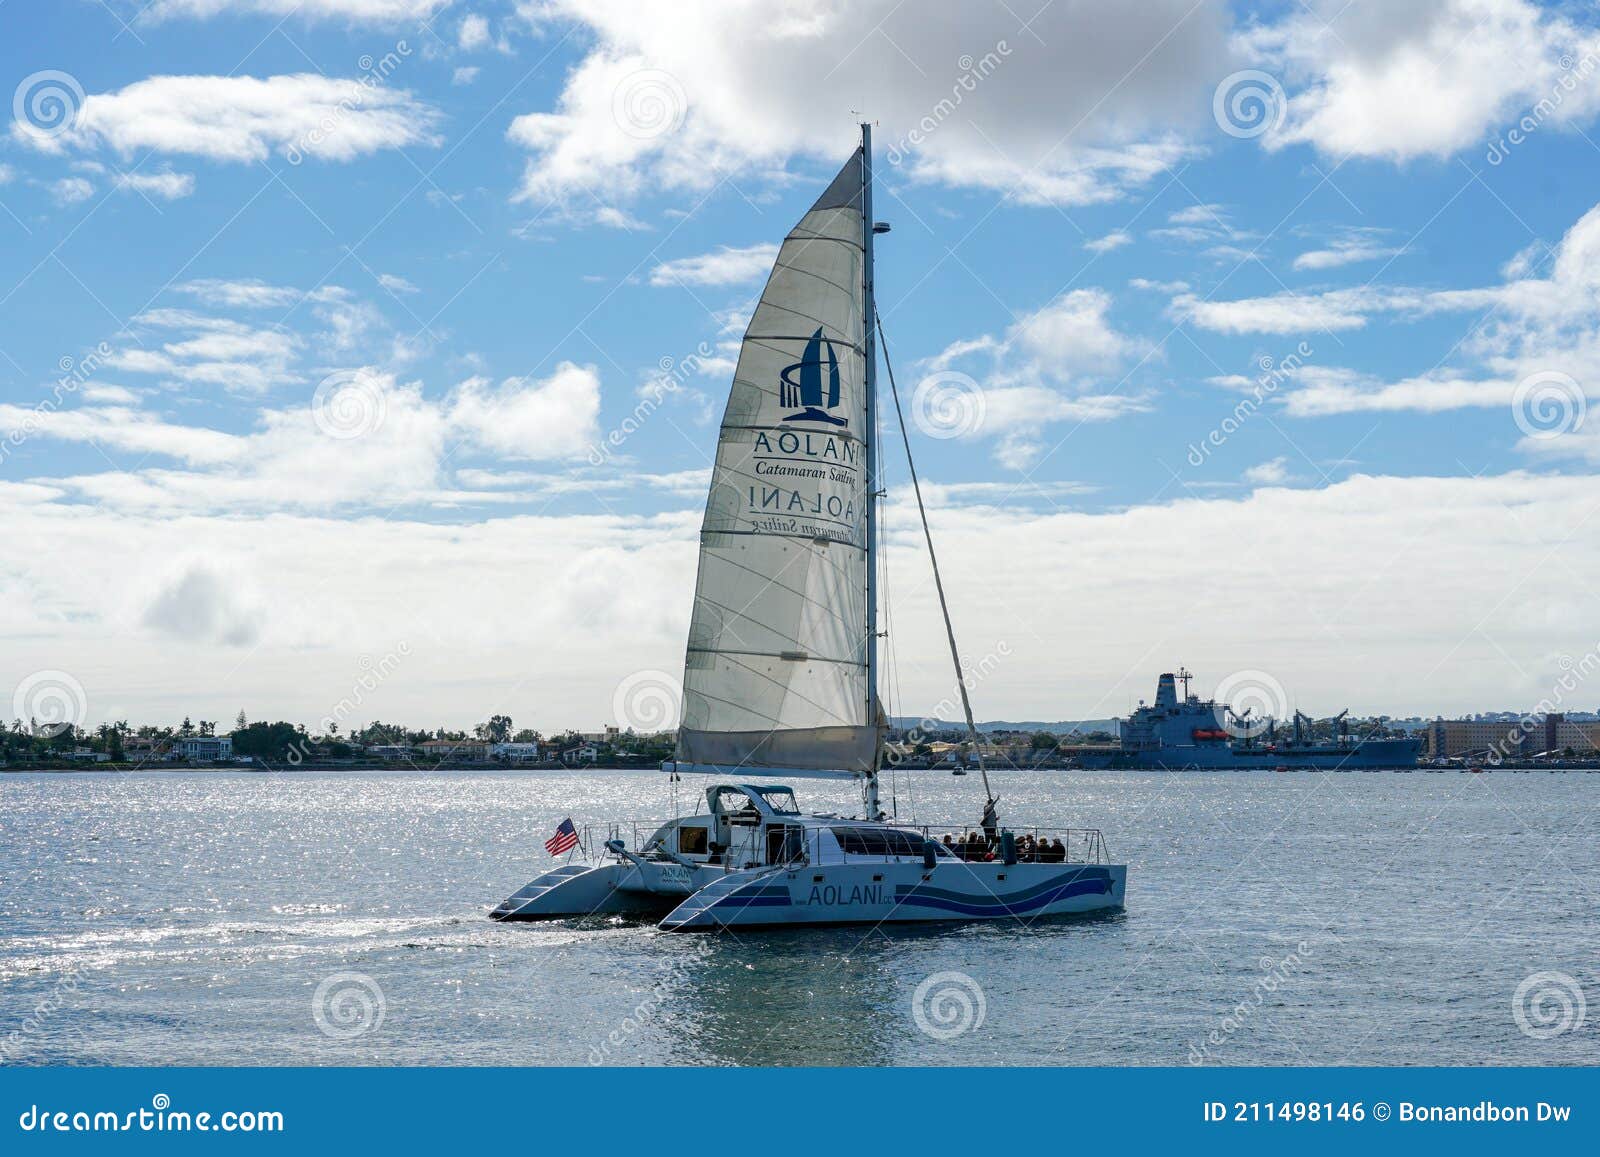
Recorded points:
(565, 839)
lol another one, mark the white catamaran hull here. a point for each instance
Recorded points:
(894, 893)
(901, 893)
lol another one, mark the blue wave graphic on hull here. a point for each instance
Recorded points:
(1039, 896)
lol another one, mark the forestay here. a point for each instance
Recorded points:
(776, 672)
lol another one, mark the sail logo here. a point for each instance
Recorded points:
(812, 383)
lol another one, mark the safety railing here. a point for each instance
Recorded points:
(1034, 845)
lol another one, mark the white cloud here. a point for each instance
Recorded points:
(1342, 255)
(201, 605)
(120, 428)
(1071, 335)
(253, 293)
(71, 190)
(206, 350)
(474, 33)
(1044, 369)
(549, 419)
(1283, 313)
(1398, 81)
(396, 284)
(167, 185)
(109, 394)
(1158, 286)
(465, 75)
(1212, 215)
(1185, 234)
(242, 118)
(1269, 473)
(675, 97)
(1532, 336)
(1113, 240)
(613, 594)
(1348, 247)
(725, 266)
(1333, 391)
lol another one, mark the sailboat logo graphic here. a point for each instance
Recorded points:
(802, 383)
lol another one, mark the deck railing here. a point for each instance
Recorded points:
(1078, 845)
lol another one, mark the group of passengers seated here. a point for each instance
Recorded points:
(976, 847)
(1040, 850)
(973, 847)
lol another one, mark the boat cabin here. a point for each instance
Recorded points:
(749, 826)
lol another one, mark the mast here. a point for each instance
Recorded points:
(869, 345)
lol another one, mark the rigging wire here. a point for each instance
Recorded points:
(938, 582)
(897, 699)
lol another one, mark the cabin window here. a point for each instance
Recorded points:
(692, 841)
(786, 844)
(878, 842)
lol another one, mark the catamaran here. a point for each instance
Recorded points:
(781, 671)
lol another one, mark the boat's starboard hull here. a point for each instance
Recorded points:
(900, 893)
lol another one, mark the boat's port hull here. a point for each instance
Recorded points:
(609, 889)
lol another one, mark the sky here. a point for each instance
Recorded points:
(362, 359)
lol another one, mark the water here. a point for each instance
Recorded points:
(189, 918)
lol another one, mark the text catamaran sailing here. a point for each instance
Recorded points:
(780, 676)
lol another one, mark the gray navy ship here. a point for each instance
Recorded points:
(1192, 733)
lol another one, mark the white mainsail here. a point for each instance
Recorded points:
(777, 671)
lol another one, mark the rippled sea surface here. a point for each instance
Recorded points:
(190, 918)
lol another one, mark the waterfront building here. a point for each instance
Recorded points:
(203, 748)
(516, 752)
(456, 749)
(1511, 739)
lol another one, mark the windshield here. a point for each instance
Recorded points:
(730, 801)
(780, 800)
